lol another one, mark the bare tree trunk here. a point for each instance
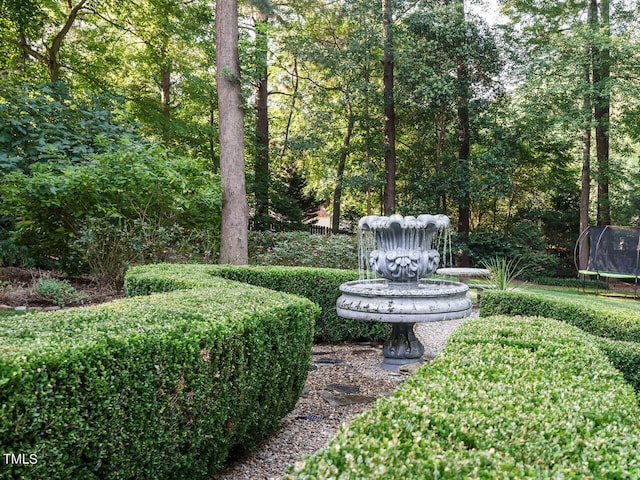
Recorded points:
(337, 193)
(165, 99)
(367, 139)
(261, 163)
(235, 212)
(602, 103)
(585, 175)
(389, 109)
(463, 93)
(440, 126)
(292, 109)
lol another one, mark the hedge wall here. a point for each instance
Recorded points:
(615, 331)
(508, 398)
(603, 322)
(319, 285)
(163, 386)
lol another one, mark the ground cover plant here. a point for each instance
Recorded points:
(161, 386)
(507, 398)
(321, 285)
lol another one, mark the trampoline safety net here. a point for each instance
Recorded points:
(613, 251)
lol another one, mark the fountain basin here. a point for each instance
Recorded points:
(428, 300)
(403, 305)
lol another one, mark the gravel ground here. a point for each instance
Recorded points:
(338, 374)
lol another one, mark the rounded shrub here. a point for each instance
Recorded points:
(508, 398)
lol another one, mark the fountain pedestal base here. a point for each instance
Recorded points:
(402, 347)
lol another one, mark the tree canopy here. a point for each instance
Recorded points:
(507, 127)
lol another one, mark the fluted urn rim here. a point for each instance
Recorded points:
(375, 222)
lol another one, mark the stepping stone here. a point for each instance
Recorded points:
(362, 351)
(344, 399)
(311, 418)
(410, 368)
(328, 360)
(343, 388)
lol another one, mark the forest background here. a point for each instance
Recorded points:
(523, 129)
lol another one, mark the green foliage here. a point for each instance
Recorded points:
(137, 202)
(602, 321)
(164, 386)
(507, 398)
(303, 249)
(44, 123)
(318, 285)
(571, 282)
(615, 331)
(58, 292)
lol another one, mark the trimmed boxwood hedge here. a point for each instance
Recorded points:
(161, 386)
(508, 398)
(616, 331)
(616, 324)
(319, 285)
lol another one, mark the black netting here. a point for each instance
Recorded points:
(614, 250)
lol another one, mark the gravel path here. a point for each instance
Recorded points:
(343, 373)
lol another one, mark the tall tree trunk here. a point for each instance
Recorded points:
(389, 109)
(292, 109)
(440, 121)
(367, 139)
(585, 174)
(602, 103)
(585, 180)
(463, 94)
(261, 162)
(235, 212)
(165, 99)
(337, 193)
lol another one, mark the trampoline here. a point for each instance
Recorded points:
(614, 252)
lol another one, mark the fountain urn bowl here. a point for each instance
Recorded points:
(402, 256)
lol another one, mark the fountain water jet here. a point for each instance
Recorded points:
(400, 252)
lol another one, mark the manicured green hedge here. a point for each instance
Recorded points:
(509, 398)
(615, 324)
(616, 331)
(160, 386)
(319, 285)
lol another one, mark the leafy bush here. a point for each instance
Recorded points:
(318, 285)
(616, 332)
(303, 249)
(135, 203)
(151, 387)
(45, 124)
(538, 265)
(58, 292)
(507, 398)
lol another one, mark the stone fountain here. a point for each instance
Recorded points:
(401, 254)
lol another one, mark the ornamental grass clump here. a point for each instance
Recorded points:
(503, 271)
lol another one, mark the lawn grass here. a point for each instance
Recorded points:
(572, 294)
